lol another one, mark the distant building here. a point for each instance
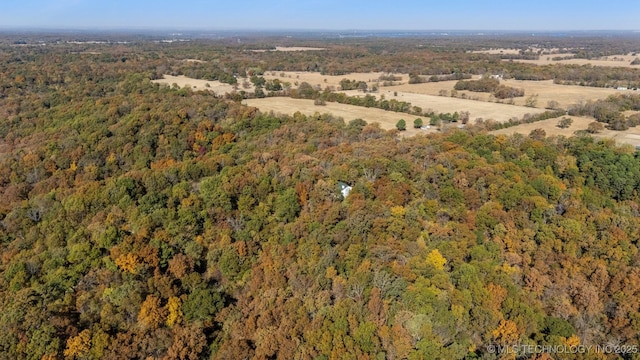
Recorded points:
(345, 189)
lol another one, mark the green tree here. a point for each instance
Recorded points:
(401, 125)
(287, 206)
(417, 123)
(202, 304)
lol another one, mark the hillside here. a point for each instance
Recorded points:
(139, 221)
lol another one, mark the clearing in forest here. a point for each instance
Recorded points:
(544, 91)
(429, 97)
(386, 119)
(630, 136)
(197, 84)
(322, 81)
(444, 104)
(610, 61)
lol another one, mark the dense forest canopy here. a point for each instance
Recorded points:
(143, 221)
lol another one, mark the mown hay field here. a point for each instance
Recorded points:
(429, 97)
(386, 119)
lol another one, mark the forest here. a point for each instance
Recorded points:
(141, 221)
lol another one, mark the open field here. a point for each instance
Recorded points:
(547, 55)
(197, 84)
(298, 48)
(426, 96)
(317, 79)
(441, 104)
(445, 104)
(499, 51)
(611, 61)
(549, 126)
(565, 95)
(630, 136)
(512, 51)
(195, 61)
(291, 48)
(386, 119)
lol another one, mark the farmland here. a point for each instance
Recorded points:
(195, 84)
(623, 60)
(386, 119)
(429, 97)
(415, 94)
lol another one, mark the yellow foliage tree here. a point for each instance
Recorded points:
(398, 211)
(572, 340)
(506, 333)
(498, 295)
(151, 313)
(175, 311)
(79, 345)
(128, 262)
(331, 272)
(436, 259)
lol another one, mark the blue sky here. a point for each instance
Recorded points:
(324, 14)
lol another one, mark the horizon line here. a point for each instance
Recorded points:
(193, 29)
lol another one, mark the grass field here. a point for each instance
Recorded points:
(291, 48)
(547, 55)
(427, 97)
(630, 136)
(565, 95)
(444, 104)
(386, 119)
(317, 79)
(611, 61)
(197, 84)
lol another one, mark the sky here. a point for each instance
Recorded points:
(540, 15)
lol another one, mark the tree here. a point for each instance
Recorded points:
(202, 304)
(565, 122)
(259, 93)
(306, 91)
(151, 314)
(436, 259)
(552, 105)
(435, 120)
(464, 117)
(417, 123)
(258, 81)
(78, 346)
(188, 343)
(595, 127)
(506, 333)
(287, 206)
(537, 134)
(532, 100)
(401, 125)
